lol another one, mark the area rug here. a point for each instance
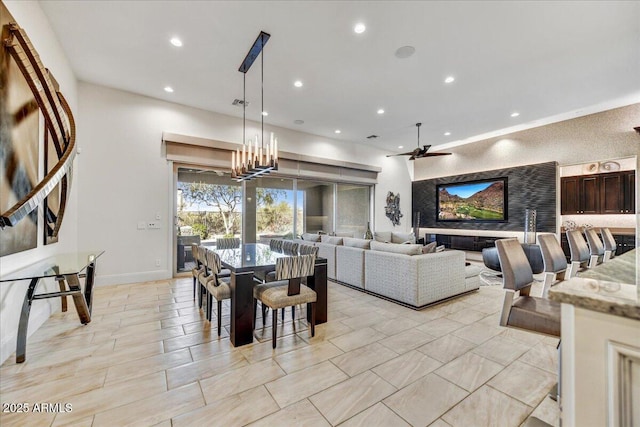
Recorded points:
(490, 277)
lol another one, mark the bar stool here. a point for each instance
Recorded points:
(555, 263)
(580, 257)
(596, 248)
(610, 244)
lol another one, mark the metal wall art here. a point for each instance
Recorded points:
(392, 210)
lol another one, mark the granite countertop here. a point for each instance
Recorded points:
(619, 299)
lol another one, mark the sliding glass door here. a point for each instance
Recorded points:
(209, 205)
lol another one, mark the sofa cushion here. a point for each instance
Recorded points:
(356, 243)
(311, 237)
(331, 240)
(382, 236)
(429, 248)
(472, 270)
(402, 237)
(396, 249)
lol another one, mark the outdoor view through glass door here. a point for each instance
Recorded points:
(210, 205)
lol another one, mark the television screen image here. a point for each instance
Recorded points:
(476, 201)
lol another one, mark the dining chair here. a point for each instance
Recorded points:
(554, 260)
(288, 290)
(596, 248)
(580, 257)
(227, 243)
(276, 245)
(197, 269)
(202, 273)
(289, 247)
(610, 244)
(216, 287)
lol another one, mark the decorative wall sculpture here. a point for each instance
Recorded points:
(26, 86)
(392, 210)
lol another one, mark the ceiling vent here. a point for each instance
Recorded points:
(372, 136)
(239, 102)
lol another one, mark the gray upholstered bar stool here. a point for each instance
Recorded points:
(555, 263)
(596, 248)
(521, 310)
(580, 258)
(287, 290)
(610, 244)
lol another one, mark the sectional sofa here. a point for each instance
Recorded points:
(397, 271)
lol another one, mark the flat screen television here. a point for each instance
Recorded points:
(473, 201)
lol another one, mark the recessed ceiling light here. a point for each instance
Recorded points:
(447, 133)
(297, 83)
(515, 114)
(337, 131)
(449, 79)
(405, 52)
(168, 89)
(359, 28)
(264, 113)
(400, 146)
(176, 42)
(380, 111)
(298, 122)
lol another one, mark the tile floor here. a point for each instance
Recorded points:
(149, 358)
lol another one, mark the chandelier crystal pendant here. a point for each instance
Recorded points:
(254, 159)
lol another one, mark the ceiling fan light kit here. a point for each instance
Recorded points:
(419, 153)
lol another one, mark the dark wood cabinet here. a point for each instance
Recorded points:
(589, 194)
(611, 193)
(606, 193)
(629, 192)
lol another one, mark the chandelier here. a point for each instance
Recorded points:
(254, 159)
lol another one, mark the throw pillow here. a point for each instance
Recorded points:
(440, 248)
(430, 248)
(356, 243)
(331, 240)
(397, 249)
(311, 237)
(382, 236)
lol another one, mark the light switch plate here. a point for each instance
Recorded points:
(142, 225)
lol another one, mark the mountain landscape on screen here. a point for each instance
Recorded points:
(474, 201)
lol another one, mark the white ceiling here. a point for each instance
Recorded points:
(540, 59)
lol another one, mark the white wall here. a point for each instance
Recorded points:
(30, 17)
(124, 177)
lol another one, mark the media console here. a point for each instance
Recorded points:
(463, 243)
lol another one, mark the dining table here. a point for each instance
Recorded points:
(248, 259)
(65, 268)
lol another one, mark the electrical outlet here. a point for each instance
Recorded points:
(158, 215)
(157, 262)
(153, 225)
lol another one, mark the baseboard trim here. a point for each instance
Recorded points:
(143, 276)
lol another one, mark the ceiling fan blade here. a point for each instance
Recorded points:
(436, 154)
(410, 153)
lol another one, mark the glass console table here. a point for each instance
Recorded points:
(66, 269)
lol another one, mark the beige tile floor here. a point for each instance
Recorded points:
(149, 358)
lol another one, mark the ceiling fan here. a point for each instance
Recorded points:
(419, 153)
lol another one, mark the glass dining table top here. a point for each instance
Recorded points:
(249, 257)
(59, 264)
